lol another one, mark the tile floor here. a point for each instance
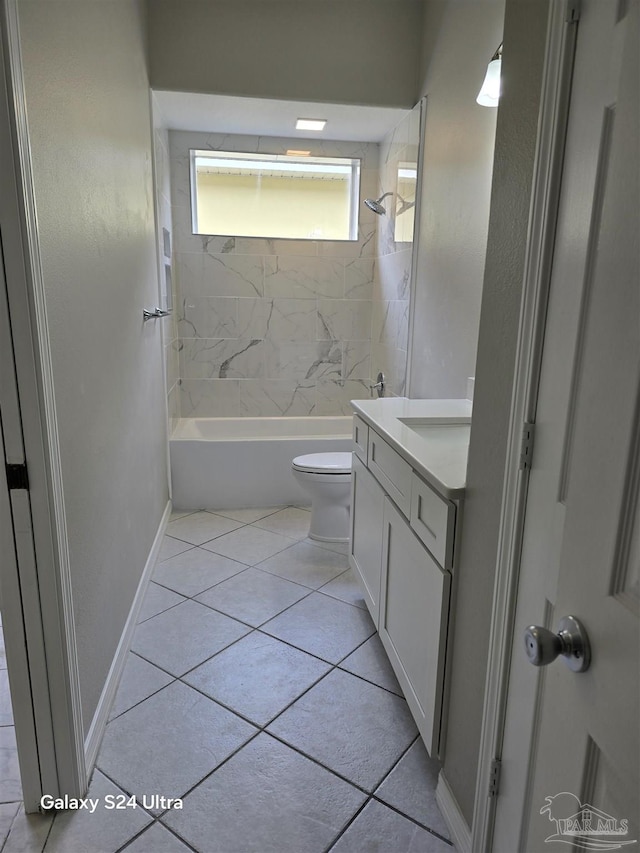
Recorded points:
(10, 788)
(258, 692)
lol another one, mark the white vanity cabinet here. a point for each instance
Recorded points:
(367, 506)
(402, 551)
(413, 620)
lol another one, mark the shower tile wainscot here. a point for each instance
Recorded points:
(271, 327)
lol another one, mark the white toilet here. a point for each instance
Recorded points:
(327, 479)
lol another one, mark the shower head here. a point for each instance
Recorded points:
(375, 204)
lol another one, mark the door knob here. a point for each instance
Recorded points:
(571, 641)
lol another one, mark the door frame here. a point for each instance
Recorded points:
(545, 195)
(41, 601)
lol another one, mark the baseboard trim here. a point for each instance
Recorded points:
(101, 716)
(448, 805)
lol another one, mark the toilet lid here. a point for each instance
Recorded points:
(324, 463)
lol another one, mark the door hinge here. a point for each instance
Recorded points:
(573, 11)
(17, 476)
(526, 447)
(494, 777)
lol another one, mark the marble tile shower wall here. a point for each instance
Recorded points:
(170, 325)
(272, 327)
(391, 291)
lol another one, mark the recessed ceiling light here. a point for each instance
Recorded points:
(310, 123)
(293, 153)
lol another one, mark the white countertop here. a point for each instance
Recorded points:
(437, 448)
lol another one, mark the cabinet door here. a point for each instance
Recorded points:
(414, 612)
(367, 504)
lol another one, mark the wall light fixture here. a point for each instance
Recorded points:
(489, 94)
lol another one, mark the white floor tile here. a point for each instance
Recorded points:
(370, 661)
(180, 513)
(350, 726)
(195, 570)
(200, 527)
(322, 626)
(378, 828)
(411, 788)
(8, 811)
(257, 676)
(166, 737)
(105, 830)
(291, 522)
(250, 545)
(280, 802)
(188, 634)
(170, 741)
(170, 547)
(6, 713)
(247, 516)
(28, 833)
(10, 785)
(3, 656)
(140, 680)
(156, 600)
(305, 564)
(253, 596)
(157, 839)
(346, 588)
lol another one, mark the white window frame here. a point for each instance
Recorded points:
(282, 159)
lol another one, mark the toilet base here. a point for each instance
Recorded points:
(326, 539)
(329, 522)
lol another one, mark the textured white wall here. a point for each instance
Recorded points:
(392, 280)
(524, 38)
(359, 52)
(459, 37)
(89, 122)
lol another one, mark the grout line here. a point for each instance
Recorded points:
(412, 819)
(186, 843)
(317, 762)
(349, 823)
(166, 609)
(194, 597)
(120, 787)
(156, 820)
(215, 769)
(190, 548)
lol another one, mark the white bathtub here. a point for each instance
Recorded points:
(231, 463)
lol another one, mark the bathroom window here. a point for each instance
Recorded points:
(274, 195)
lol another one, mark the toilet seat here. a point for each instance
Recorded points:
(323, 463)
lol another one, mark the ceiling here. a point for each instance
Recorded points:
(258, 116)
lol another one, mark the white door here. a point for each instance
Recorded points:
(36, 600)
(571, 755)
(16, 570)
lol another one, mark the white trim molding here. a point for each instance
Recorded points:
(448, 805)
(101, 716)
(554, 109)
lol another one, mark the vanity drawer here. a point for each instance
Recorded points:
(360, 438)
(433, 519)
(391, 471)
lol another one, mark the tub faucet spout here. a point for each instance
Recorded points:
(379, 385)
